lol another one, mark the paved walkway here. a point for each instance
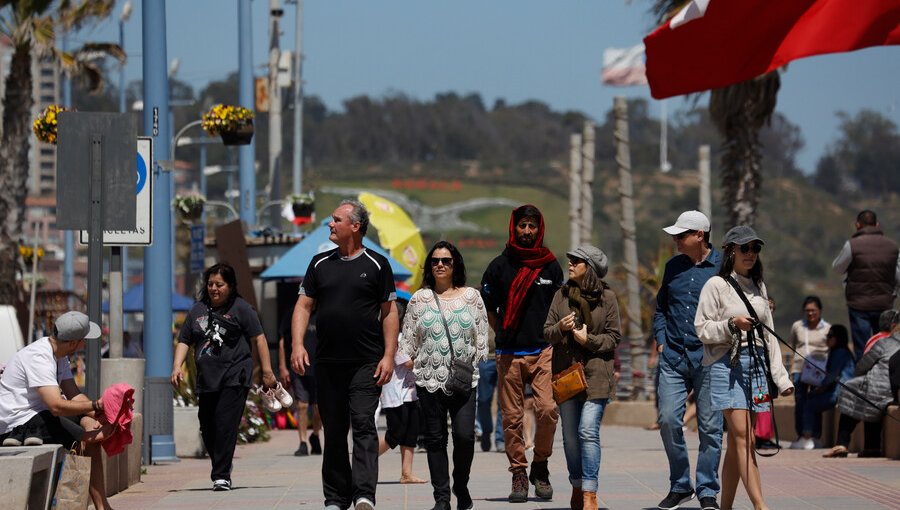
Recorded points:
(634, 475)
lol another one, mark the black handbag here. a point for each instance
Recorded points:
(462, 372)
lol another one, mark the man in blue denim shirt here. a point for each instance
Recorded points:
(679, 366)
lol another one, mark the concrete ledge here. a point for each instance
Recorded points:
(630, 414)
(124, 470)
(891, 434)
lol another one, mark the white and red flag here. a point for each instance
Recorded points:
(715, 43)
(624, 66)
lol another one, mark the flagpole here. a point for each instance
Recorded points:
(664, 138)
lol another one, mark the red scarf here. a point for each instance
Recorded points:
(532, 261)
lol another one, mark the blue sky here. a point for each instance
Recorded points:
(549, 50)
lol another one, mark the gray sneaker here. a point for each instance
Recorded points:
(364, 504)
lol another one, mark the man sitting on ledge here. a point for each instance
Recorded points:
(33, 410)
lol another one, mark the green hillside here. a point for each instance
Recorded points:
(804, 227)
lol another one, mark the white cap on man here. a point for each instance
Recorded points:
(689, 220)
(75, 326)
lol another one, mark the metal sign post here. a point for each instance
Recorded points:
(95, 159)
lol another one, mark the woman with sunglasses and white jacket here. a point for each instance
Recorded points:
(444, 307)
(737, 376)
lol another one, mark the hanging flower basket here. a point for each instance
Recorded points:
(189, 207)
(234, 124)
(304, 208)
(46, 125)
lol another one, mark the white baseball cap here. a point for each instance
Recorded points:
(689, 220)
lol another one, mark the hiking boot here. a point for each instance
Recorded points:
(302, 451)
(674, 500)
(708, 503)
(519, 493)
(590, 500)
(540, 478)
(315, 447)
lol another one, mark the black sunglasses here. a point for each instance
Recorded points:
(756, 247)
(447, 261)
(684, 234)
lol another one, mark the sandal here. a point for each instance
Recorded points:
(836, 452)
(412, 479)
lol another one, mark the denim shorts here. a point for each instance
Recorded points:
(732, 388)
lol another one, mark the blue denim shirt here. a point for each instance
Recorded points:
(676, 305)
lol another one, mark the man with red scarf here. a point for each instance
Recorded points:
(517, 289)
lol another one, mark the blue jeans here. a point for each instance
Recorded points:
(581, 440)
(676, 378)
(862, 326)
(487, 383)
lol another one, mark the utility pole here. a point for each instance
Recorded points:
(703, 170)
(587, 183)
(634, 356)
(275, 144)
(158, 348)
(68, 235)
(574, 190)
(246, 153)
(298, 103)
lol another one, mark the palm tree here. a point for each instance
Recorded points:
(30, 28)
(739, 112)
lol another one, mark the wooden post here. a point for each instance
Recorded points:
(703, 170)
(587, 183)
(574, 190)
(633, 355)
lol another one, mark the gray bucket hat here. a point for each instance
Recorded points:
(741, 234)
(593, 256)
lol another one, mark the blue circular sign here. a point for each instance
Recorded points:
(141, 174)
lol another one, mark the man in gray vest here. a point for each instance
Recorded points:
(872, 267)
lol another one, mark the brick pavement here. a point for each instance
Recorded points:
(634, 475)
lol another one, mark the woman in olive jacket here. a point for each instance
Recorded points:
(583, 326)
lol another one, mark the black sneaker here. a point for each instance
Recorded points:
(463, 499)
(222, 485)
(302, 451)
(315, 447)
(675, 499)
(486, 443)
(708, 503)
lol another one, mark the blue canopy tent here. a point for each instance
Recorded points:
(133, 301)
(294, 262)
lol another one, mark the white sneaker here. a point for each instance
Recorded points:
(364, 504)
(283, 396)
(809, 444)
(270, 402)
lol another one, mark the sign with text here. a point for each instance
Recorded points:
(198, 250)
(142, 235)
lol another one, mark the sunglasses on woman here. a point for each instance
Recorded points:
(747, 248)
(446, 261)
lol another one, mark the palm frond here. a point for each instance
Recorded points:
(73, 16)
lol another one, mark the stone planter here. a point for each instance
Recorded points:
(188, 442)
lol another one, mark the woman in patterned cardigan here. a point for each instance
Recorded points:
(443, 305)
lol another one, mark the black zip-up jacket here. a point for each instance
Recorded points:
(495, 284)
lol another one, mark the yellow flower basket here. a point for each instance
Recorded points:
(233, 123)
(45, 126)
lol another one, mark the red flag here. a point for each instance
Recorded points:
(714, 43)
